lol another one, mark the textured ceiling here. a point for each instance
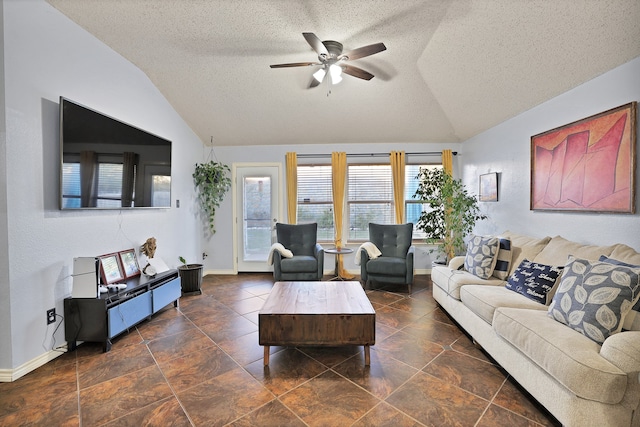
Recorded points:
(452, 69)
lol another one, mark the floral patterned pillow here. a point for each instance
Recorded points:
(593, 297)
(482, 254)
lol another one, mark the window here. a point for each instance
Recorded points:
(315, 199)
(413, 207)
(369, 199)
(108, 185)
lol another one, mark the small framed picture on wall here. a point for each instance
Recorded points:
(489, 187)
(129, 263)
(110, 270)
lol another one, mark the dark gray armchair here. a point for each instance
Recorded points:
(308, 256)
(395, 265)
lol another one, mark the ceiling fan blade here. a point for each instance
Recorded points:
(316, 44)
(356, 72)
(295, 64)
(363, 51)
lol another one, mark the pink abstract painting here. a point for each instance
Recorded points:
(588, 165)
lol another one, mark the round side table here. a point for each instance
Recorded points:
(338, 252)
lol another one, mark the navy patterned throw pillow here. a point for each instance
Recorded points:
(534, 280)
(503, 263)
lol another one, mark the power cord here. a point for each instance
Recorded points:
(60, 349)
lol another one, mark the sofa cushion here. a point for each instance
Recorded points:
(450, 280)
(503, 262)
(482, 252)
(593, 297)
(523, 246)
(569, 357)
(484, 300)
(629, 255)
(558, 250)
(534, 281)
(625, 254)
(623, 350)
(633, 316)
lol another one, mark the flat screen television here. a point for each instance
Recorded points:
(109, 164)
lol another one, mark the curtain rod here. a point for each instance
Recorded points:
(423, 153)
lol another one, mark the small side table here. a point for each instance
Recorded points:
(338, 252)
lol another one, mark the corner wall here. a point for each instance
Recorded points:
(506, 149)
(5, 295)
(47, 56)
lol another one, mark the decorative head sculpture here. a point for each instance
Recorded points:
(149, 247)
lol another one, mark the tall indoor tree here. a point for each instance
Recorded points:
(452, 212)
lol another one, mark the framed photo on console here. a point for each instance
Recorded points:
(129, 263)
(110, 270)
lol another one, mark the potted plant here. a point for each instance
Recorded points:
(452, 213)
(212, 182)
(190, 277)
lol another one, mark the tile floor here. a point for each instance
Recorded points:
(201, 365)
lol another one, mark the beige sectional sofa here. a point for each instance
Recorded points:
(581, 382)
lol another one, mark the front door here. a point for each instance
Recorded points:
(258, 207)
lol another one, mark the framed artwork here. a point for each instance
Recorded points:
(129, 263)
(110, 270)
(489, 187)
(588, 165)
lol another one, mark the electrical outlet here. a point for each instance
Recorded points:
(51, 316)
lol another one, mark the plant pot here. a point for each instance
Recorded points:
(191, 279)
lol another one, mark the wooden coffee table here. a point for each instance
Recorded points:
(317, 314)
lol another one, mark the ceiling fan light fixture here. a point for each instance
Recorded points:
(319, 75)
(335, 71)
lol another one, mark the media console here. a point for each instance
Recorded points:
(101, 319)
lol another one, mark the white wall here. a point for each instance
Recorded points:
(47, 56)
(5, 302)
(506, 149)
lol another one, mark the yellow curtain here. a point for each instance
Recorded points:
(397, 171)
(447, 161)
(447, 165)
(338, 179)
(292, 187)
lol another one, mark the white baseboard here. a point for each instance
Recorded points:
(9, 375)
(220, 272)
(326, 272)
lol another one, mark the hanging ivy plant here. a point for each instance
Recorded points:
(212, 182)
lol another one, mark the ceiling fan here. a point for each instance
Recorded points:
(333, 62)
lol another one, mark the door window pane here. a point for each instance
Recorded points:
(256, 218)
(160, 190)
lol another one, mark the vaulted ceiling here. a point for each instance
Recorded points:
(452, 68)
